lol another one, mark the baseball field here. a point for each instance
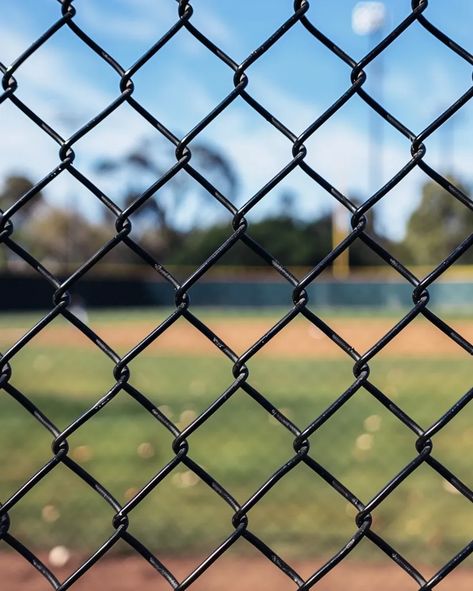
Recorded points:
(301, 372)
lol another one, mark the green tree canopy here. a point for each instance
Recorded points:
(291, 241)
(154, 223)
(438, 225)
(13, 188)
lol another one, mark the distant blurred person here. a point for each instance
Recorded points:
(78, 308)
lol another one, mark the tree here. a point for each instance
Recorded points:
(156, 222)
(438, 225)
(63, 237)
(14, 187)
(362, 255)
(293, 242)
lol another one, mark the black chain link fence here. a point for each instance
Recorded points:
(61, 300)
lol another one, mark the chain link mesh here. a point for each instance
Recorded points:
(182, 453)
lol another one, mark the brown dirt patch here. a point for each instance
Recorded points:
(298, 339)
(227, 574)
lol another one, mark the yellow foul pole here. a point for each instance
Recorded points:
(340, 229)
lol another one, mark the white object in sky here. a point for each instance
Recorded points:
(368, 17)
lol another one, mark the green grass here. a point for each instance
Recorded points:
(155, 315)
(123, 446)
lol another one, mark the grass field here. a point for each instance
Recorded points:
(300, 372)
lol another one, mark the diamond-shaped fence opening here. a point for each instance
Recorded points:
(197, 448)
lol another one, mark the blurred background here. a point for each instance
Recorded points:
(301, 371)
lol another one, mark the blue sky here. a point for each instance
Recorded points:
(296, 80)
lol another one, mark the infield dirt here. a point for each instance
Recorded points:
(227, 574)
(298, 339)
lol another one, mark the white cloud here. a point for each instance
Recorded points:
(130, 20)
(63, 99)
(254, 147)
(339, 154)
(147, 20)
(418, 99)
(215, 28)
(66, 100)
(293, 111)
(139, 20)
(49, 73)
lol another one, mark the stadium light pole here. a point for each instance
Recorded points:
(368, 19)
